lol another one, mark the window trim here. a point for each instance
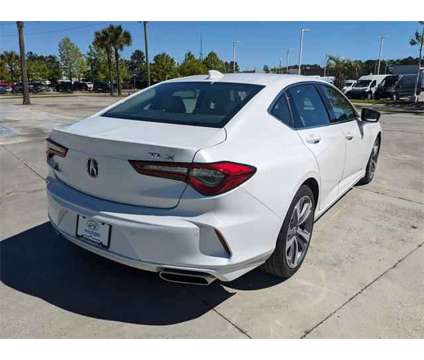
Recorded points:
(314, 83)
(274, 102)
(322, 100)
(329, 108)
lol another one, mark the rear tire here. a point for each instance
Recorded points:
(294, 237)
(372, 163)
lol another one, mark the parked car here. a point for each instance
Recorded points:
(349, 84)
(82, 86)
(366, 86)
(210, 176)
(6, 88)
(3, 90)
(397, 86)
(101, 86)
(18, 88)
(64, 86)
(39, 87)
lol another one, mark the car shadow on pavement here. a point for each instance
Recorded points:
(41, 263)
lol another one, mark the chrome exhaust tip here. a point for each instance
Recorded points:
(186, 277)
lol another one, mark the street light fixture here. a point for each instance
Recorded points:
(420, 54)
(235, 42)
(287, 59)
(302, 32)
(380, 50)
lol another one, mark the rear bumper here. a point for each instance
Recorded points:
(183, 238)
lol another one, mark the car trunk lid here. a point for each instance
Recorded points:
(99, 149)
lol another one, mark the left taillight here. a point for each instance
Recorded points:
(206, 178)
(55, 149)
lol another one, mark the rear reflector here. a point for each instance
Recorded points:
(206, 178)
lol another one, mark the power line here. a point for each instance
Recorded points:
(58, 31)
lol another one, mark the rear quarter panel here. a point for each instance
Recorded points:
(256, 138)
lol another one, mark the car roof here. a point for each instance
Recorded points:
(252, 78)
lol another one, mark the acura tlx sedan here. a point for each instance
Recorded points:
(209, 176)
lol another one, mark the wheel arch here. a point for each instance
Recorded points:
(313, 184)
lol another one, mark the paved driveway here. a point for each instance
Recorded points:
(363, 276)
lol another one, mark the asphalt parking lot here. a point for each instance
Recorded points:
(363, 276)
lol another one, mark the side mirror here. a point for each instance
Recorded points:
(370, 115)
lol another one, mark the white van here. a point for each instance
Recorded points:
(348, 85)
(366, 86)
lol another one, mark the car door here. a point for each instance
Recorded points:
(345, 118)
(326, 142)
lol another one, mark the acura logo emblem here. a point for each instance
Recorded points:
(92, 168)
(92, 225)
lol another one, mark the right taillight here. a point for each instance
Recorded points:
(53, 148)
(206, 178)
(220, 177)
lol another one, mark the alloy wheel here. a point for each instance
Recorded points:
(299, 231)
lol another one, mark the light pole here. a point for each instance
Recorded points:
(380, 50)
(287, 59)
(235, 42)
(146, 50)
(419, 64)
(302, 32)
(201, 47)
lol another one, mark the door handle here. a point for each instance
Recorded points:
(313, 139)
(349, 136)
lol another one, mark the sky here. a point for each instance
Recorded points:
(260, 43)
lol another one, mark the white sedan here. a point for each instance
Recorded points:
(210, 176)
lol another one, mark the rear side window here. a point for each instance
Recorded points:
(187, 103)
(281, 110)
(308, 108)
(340, 108)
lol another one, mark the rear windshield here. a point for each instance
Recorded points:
(187, 103)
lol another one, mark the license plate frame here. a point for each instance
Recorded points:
(94, 231)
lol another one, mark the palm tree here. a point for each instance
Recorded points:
(102, 39)
(119, 38)
(342, 69)
(163, 68)
(20, 26)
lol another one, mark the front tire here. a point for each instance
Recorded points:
(372, 163)
(295, 236)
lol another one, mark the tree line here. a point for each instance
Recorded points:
(103, 62)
